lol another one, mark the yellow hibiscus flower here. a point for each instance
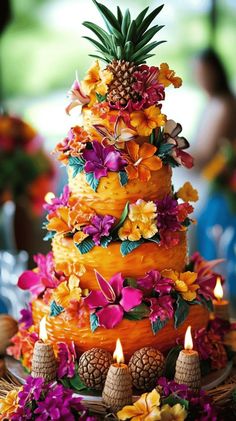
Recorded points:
(142, 211)
(146, 120)
(187, 193)
(173, 413)
(68, 291)
(148, 229)
(96, 80)
(185, 283)
(144, 409)
(69, 267)
(9, 404)
(129, 231)
(167, 76)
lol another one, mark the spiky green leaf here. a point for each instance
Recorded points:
(148, 36)
(119, 16)
(101, 34)
(139, 19)
(131, 33)
(97, 44)
(126, 22)
(148, 20)
(107, 15)
(146, 49)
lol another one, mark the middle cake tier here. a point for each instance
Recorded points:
(108, 261)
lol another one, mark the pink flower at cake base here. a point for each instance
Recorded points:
(154, 281)
(77, 97)
(113, 300)
(99, 227)
(100, 160)
(67, 359)
(161, 308)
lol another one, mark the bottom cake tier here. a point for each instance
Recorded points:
(133, 334)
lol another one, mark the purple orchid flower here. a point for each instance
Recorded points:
(113, 300)
(102, 159)
(100, 227)
(32, 390)
(161, 307)
(43, 277)
(153, 281)
(167, 210)
(57, 202)
(77, 96)
(67, 359)
(26, 318)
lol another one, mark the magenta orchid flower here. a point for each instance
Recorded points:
(77, 96)
(67, 360)
(99, 227)
(206, 277)
(122, 133)
(153, 281)
(113, 300)
(172, 131)
(57, 202)
(161, 308)
(102, 159)
(36, 281)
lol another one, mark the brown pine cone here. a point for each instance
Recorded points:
(146, 366)
(93, 367)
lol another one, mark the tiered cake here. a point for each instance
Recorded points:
(119, 267)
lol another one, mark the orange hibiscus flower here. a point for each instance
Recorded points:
(167, 76)
(141, 160)
(146, 120)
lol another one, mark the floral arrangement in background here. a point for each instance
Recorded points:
(26, 170)
(158, 221)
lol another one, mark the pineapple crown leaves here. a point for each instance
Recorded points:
(125, 39)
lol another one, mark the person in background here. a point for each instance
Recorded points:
(215, 160)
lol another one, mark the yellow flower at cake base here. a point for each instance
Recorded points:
(148, 229)
(142, 211)
(185, 283)
(173, 413)
(9, 404)
(97, 80)
(129, 231)
(187, 193)
(144, 409)
(146, 120)
(141, 160)
(68, 291)
(167, 77)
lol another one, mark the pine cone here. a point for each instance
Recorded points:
(93, 367)
(146, 366)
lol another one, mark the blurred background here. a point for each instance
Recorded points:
(41, 47)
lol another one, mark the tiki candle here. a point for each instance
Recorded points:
(44, 363)
(117, 391)
(187, 370)
(221, 306)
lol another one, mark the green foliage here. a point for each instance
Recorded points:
(92, 181)
(128, 246)
(86, 245)
(125, 39)
(181, 312)
(55, 309)
(158, 325)
(138, 313)
(77, 164)
(123, 177)
(171, 361)
(93, 322)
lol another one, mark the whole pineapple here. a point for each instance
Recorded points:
(124, 46)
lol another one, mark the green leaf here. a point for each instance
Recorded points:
(123, 177)
(164, 149)
(181, 312)
(55, 309)
(149, 35)
(186, 222)
(126, 23)
(119, 16)
(207, 303)
(107, 15)
(146, 49)
(170, 362)
(92, 180)
(86, 245)
(139, 19)
(122, 219)
(148, 20)
(158, 325)
(128, 246)
(49, 236)
(138, 313)
(99, 58)
(131, 282)
(130, 36)
(93, 322)
(101, 98)
(76, 383)
(173, 399)
(105, 241)
(101, 34)
(97, 44)
(77, 164)
(155, 239)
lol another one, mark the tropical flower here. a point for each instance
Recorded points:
(97, 80)
(76, 310)
(100, 226)
(113, 300)
(187, 193)
(73, 144)
(142, 211)
(23, 346)
(141, 161)
(167, 210)
(122, 133)
(42, 277)
(154, 281)
(161, 308)
(211, 346)
(129, 231)
(184, 209)
(172, 131)
(77, 96)
(147, 86)
(69, 267)
(26, 319)
(102, 159)
(167, 77)
(57, 202)
(67, 291)
(9, 404)
(67, 359)
(146, 408)
(146, 120)
(173, 413)
(184, 283)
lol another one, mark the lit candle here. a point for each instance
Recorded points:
(44, 363)
(221, 306)
(187, 370)
(117, 391)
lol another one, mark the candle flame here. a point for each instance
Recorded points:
(218, 290)
(49, 197)
(118, 353)
(188, 341)
(43, 330)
